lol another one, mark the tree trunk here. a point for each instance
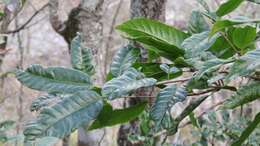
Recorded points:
(154, 10)
(85, 19)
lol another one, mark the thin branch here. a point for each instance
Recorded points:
(28, 21)
(172, 81)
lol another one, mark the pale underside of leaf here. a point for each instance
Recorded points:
(81, 57)
(54, 79)
(65, 116)
(165, 99)
(130, 80)
(123, 60)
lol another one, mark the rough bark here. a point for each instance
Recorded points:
(154, 10)
(85, 19)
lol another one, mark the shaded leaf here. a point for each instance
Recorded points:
(197, 43)
(109, 117)
(81, 57)
(211, 66)
(165, 99)
(123, 60)
(54, 79)
(163, 39)
(197, 23)
(64, 117)
(129, 81)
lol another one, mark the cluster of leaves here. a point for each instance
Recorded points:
(211, 128)
(216, 55)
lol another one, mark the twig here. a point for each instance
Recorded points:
(102, 138)
(172, 81)
(28, 21)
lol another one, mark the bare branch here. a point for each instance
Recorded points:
(28, 21)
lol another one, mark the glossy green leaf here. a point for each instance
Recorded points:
(222, 24)
(197, 43)
(246, 133)
(243, 36)
(65, 116)
(197, 23)
(54, 79)
(244, 95)
(129, 81)
(81, 57)
(109, 117)
(123, 60)
(163, 39)
(228, 7)
(165, 99)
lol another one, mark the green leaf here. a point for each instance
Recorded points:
(243, 36)
(244, 95)
(81, 57)
(228, 7)
(54, 79)
(123, 60)
(246, 133)
(109, 117)
(165, 100)
(222, 24)
(197, 23)
(163, 39)
(221, 48)
(41, 101)
(153, 70)
(197, 43)
(129, 81)
(64, 117)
